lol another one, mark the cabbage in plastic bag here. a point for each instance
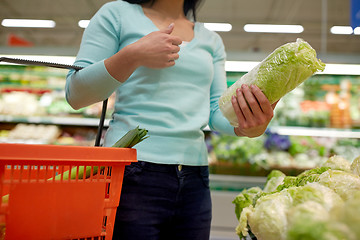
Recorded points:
(279, 73)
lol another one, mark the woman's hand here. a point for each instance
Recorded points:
(158, 49)
(253, 110)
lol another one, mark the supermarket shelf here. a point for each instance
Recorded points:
(93, 122)
(73, 121)
(316, 132)
(235, 183)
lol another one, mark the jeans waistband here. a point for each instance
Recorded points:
(171, 167)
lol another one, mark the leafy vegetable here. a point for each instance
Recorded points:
(131, 138)
(311, 221)
(274, 179)
(337, 163)
(319, 204)
(351, 213)
(317, 193)
(245, 199)
(279, 73)
(343, 183)
(268, 219)
(355, 166)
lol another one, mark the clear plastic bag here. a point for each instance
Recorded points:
(279, 73)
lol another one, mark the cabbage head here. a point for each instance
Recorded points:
(351, 214)
(316, 224)
(279, 73)
(355, 166)
(337, 163)
(268, 220)
(343, 183)
(315, 192)
(312, 221)
(319, 204)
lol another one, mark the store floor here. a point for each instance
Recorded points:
(224, 220)
(222, 238)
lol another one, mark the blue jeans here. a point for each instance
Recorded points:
(164, 202)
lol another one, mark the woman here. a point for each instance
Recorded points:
(168, 74)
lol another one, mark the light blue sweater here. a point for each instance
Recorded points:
(174, 104)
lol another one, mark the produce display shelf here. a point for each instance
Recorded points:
(94, 122)
(73, 121)
(316, 132)
(233, 183)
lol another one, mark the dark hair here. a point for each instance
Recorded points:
(190, 6)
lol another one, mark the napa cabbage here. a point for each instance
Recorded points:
(279, 73)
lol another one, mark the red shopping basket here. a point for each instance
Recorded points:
(39, 201)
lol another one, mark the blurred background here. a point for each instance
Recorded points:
(319, 119)
(317, 17)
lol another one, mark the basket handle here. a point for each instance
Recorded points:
(57, 65)
(101, 123)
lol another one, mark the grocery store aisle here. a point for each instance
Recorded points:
(222, 238)
(224, 220)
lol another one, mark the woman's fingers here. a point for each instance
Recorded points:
(253, 110)
(158, 49)
(251, 100)
(262, 100)
(238, 112)
(243, 104)
(175, 49)
(173, 56)
(176, 41)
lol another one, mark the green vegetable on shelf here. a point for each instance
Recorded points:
(319, 204)
(279, 73)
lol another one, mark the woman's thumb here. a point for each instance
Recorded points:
(169, 29)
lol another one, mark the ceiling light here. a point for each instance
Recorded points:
(341, 69)
(271, 28)
(240, 66)
(341, 30)
(218, 27)
(31, 23)
(83, 23)
(357, 31)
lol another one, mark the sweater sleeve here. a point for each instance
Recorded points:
(217, 121)
(100, 41)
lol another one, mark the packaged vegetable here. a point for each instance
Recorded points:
(279, 73)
